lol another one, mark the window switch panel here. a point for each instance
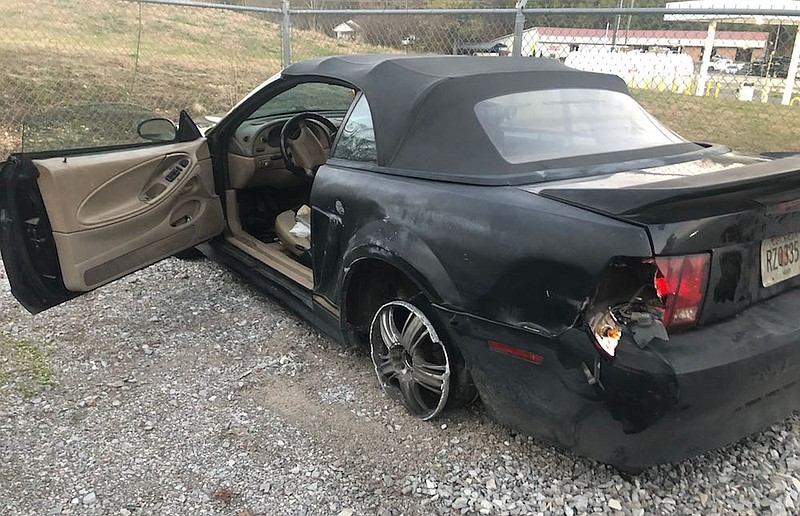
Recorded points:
(173, 174)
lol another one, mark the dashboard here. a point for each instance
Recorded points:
(254, 153)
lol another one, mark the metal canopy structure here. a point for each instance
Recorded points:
(780, 8)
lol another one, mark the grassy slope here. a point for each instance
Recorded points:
(745, 126)
(61, 52)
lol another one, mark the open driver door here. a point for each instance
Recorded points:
(71, 221)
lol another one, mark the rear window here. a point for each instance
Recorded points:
(554, 124)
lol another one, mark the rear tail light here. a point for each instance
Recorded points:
(680, 282)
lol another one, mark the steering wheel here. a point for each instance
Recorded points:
(295, 135)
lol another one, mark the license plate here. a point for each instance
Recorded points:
(780, 259)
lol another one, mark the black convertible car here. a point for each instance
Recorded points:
(505, 228)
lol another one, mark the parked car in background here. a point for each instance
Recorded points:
(718, 64)
(512, 229)
(776, 67)
(725, 65)
(733, 68)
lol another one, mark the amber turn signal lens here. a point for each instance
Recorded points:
(607, 332)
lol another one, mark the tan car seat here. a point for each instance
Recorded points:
(286, 221)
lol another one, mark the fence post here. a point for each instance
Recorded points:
(791, 74)
(519, 29)
(709, 47)
(286, 33)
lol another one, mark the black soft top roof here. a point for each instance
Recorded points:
(423, 108)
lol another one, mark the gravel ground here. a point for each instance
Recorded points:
(181, 390)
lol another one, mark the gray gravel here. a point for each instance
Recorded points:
(181, 390)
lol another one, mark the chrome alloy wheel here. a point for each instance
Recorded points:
(410, 360)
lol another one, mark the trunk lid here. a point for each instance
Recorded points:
(744, 210)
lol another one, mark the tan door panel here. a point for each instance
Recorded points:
(114, 213)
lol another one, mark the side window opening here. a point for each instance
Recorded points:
(357, 139)
(89, 127)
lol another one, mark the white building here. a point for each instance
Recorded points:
(558, 42)
(348, 30)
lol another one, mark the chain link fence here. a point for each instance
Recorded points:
(124, 56)
(717, 75)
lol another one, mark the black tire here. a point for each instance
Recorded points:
(189, 254)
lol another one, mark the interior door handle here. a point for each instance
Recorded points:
(181, 221)
(153, 192)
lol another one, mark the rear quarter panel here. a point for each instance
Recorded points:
(499, 253)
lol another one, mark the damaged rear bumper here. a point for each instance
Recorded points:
(671, 400)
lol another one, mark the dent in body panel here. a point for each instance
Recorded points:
(555, 401)
(496, 252)
(524, 265)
